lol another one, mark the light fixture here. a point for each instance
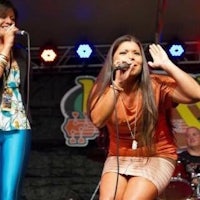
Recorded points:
(84, 50)
(176, 49)
(48, 54)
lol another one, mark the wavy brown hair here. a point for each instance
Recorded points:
(5, 5)
(149, 109)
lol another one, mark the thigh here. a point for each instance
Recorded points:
(15, 151)
(109, 184)
(140, 188)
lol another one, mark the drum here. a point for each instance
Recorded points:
(179, 186)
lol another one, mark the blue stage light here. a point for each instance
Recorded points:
(84, 51)
(176, 50)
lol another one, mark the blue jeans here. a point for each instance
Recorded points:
(14, 152)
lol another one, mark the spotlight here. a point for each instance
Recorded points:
(48, 55)
(84, 50)
(176, 49)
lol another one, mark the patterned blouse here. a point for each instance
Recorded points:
(12, 111)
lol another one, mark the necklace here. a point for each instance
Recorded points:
(132, 132)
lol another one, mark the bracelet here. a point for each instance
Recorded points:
(2, 67)
(115, 87)
(4, 57)
(3, 62)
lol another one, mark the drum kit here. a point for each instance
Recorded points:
(182, 186)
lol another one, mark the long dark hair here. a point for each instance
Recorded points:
(149, 109)
(5, 5)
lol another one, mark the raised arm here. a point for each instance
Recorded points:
(105, 105)
(188, 90)
(7, 41)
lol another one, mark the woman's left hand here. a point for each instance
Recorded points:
(160, 57)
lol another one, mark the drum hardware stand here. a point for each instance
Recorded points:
(196, 188)
(95, 191)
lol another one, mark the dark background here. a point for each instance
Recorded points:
(101, 21)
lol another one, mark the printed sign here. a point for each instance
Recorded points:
(77, 127)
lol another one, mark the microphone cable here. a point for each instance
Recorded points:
(28, 51)
(28, 70)
(117, 133)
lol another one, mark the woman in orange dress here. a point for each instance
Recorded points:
(134, 104)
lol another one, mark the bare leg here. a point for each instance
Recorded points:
(140, 188)
(108, 186)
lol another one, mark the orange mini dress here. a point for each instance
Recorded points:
(122, 158)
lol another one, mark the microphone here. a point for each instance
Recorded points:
(124, 66)
(20, 32)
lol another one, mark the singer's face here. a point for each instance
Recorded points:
(7, 18)
(130, 53)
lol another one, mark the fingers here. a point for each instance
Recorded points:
(156, 53)
(150, 63)
(155, 48)
(11, 29)
(159, 47)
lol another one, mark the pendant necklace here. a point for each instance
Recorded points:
(133, 132)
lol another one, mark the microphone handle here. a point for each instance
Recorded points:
(123, 67)
(20, 32)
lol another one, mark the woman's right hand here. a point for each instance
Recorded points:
(8, 36)
(122, 75)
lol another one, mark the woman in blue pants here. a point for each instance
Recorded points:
(15, 130)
